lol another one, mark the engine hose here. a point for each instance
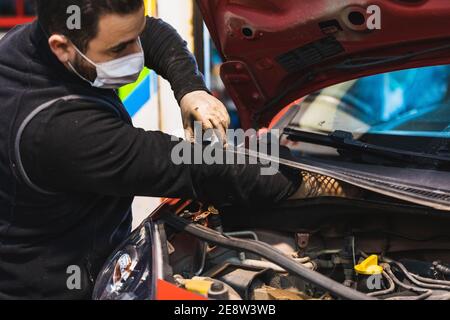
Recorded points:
(423, 293)
(388, 290)
(265, 251)
(419, 283)
(432, 281)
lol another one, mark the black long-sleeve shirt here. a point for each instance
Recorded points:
(80, 146)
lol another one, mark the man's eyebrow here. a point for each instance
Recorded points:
(122, 44)
(126, 43)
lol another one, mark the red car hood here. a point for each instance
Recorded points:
(277, 51)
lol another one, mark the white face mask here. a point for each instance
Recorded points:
(115, 73)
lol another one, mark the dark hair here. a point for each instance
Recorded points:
(53, 16)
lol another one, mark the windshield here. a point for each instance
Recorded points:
(407, 110)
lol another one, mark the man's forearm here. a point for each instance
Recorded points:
(167, 54)
(81, 147)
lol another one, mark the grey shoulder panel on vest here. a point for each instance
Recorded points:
(30, 117)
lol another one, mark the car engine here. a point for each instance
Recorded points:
(371, 246)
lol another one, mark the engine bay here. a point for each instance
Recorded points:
(304, 250)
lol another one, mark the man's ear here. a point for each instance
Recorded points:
(62, 48)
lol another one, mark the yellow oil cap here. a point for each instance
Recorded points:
(198, 286)
(369, 266)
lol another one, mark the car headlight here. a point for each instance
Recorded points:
(131, 273)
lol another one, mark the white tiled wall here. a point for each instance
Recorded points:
(163, 113)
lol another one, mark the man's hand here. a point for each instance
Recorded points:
(202, 107)
(315, 186)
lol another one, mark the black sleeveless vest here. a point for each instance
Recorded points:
(44, 233)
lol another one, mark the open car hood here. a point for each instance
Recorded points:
(277, 51)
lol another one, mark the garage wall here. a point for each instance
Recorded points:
(161, 112)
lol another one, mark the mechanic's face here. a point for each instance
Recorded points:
(117, 37)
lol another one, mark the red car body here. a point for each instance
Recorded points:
(312, 36)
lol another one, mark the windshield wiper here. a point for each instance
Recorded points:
(343, 140)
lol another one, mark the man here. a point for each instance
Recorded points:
(70, 159)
